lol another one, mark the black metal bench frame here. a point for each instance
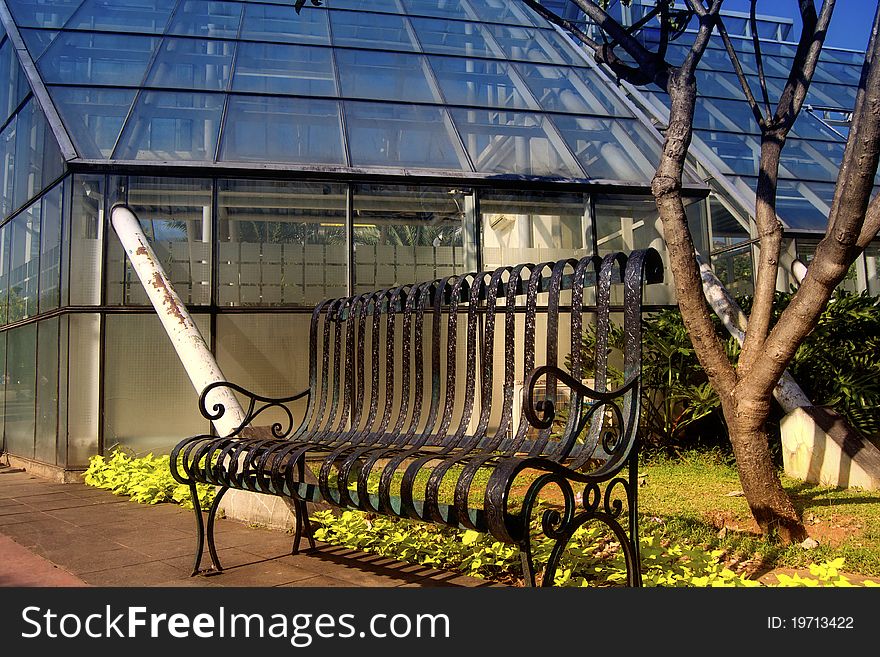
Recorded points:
(349, 435)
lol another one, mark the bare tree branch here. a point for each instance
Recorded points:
(741, 76)
(872, 224)
(847, 220)
(756, 43)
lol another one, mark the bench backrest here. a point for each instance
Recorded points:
(447, 363)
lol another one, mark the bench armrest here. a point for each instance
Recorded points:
(256, 404)
(542, 412)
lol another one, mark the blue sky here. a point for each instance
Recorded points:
(850, 23)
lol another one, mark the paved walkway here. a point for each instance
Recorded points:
(55, 534)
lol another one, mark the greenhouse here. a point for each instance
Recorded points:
(277, 158)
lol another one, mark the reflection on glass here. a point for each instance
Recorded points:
(560, 89)
(611, 149)
(727, 231)
(532, 45)
(37, 156)
(402, 136)
(175, 215)
(84, 367)
(281, 23)
(42, 13)
(385, 75)
(444, 8)
(514, 142)
(502, 11)
(24, 264)
(97, 58)
(149, 16)
(281, 243)
(13, 84)
(533, 227)
(168, 125)
(93, 116)
(204, 18)
(37, 41)
(50, 249)
(455, 37)
(21, 369)
(192, 64)
(284, 69)
(368, 30)
(7, 169)
(277, 129)
(406, 234)
(481, 82)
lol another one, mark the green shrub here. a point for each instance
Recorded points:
(592, 560)
(145, 479)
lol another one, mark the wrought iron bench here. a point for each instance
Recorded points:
(391, 426)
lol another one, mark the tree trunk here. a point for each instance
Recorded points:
(770, 505)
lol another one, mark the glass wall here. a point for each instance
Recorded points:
(280, 243)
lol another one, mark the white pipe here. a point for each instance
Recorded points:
(787, 392)
(197, 359)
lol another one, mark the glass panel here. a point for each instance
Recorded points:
(172, 126)
(734, 270)
(7, 169)
(21, 368)
(455, 37)
(149, 16)
(3, 379)
(37, 41)
(386, 6)
(443, 8)
(729, 115)
(727, 231)
(514, 142)
(274, 23)
(281, 243)
(283, 69)
(24, 271)
(92, 116)
(561, 89)
(385, 75)
(611, 149)
(481, 82)
(143, 374)
(402, 135)
(410, 234)
(533, 227)
(84, 376)
(37, 157)
(45, 449)
(212, 19)
(192, 64)
(803, 206)
(503, 11)
(531, 45)
(176, 217)
(86, 226)
(872, 264)
(264, 129)
(13, 84)
(366, 30)
(625, 223)
(50, 249)
(265, 353)
(42, 13)
(97, 58)
(5, 257)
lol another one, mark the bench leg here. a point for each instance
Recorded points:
(303, 526)
(200, 531)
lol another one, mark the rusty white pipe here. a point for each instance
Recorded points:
(787, 392)
(798, 270)
(197, 359)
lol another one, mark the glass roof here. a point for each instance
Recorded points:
(469, 86)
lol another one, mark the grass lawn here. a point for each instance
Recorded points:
(697, 498)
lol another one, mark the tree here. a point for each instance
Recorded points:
(746, 387)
